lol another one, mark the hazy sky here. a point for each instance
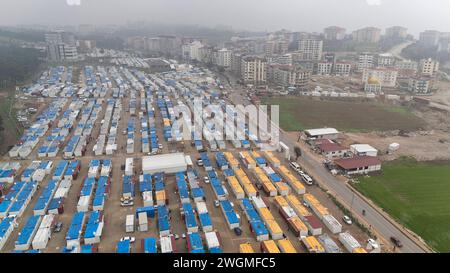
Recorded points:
(306, 15)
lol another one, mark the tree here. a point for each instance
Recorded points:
(417, 51)
(17, 64)
(298, 152)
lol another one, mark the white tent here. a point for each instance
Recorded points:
(168, 163)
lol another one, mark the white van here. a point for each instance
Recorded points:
(295, 166)
(307, 179)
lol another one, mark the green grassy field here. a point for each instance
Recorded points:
(417, 194)
(297, 113)
(11, 129)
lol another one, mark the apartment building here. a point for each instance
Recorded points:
(429, 38)
(254, 70)
(53, 37)
(329, 57)
(334, 33)
(236, 62)
(136, 43)
(365, 60)
(288, 75)
(367, 35)
(310, 49)
(428, 67)
(406, 68)
(61, 46)
(420, 85)
(224, 57)
(397, 32)
(279, 46)
(85, 46)
(207, 54)
(170, 44)
(153, 44)
(342, 68)
(53, 52)
(68, 52)
(444, 43)
(406, 64)
(285, 59)
(160, 44)
(308, 65)
(191, 51)
(324, 68)
(385, 60)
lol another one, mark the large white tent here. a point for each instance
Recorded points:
(168, 163)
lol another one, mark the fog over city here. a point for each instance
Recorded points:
(258, 15)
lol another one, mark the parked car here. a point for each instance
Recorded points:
(176, 236)
(347, 220)
(373, 243)
(128, 238)
(216, 203)
(396, 241)
(126, 201)
(58, 227)
(305, 204)
(237, 231)
(200, 162)
(183, 235)
(307, 179)
(206, 179)
(295, 166)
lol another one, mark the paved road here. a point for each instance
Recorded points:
(373, 217)
(396, 50)
(378, 222)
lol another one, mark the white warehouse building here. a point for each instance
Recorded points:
(329, 133)
(363, 150)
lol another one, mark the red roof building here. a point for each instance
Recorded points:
(314, 225)
(359, 164)
(330, 149)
